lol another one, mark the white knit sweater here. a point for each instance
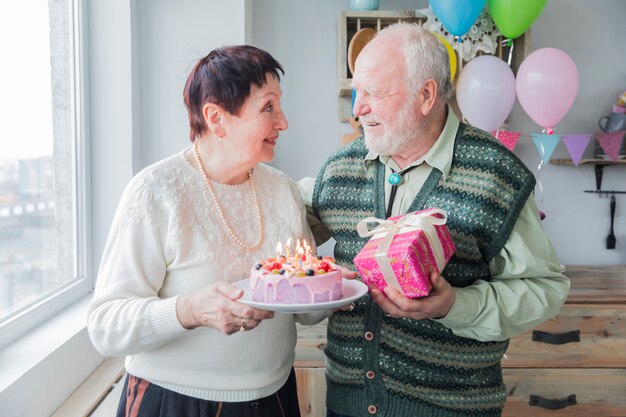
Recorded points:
(167, 239)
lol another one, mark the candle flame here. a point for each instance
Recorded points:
(279, 249)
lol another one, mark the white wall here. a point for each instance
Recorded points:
(140, 53)
(592, 34)
(171, 36)
(302, 35)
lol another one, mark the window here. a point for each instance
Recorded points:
(42, 162)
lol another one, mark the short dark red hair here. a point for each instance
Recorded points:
(225, 77)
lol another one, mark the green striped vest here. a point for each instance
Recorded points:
(419, 367)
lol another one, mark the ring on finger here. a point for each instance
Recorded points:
(243, 325)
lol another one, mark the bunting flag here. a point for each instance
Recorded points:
(576, 145)
(545, 145)
(611, 142)
(508, 139)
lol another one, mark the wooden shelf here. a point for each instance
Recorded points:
(599, 165)
(566, 161)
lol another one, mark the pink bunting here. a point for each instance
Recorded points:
(576, 145)
(508, 139)
(611, 142)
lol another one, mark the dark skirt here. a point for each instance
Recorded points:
(140, 398)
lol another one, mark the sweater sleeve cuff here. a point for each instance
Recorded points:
(162, 319)
(463, 311)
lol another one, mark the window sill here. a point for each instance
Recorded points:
(48, 363)
(99, 394)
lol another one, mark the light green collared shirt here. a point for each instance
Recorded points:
(527, 285)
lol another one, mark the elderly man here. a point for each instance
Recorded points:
(438, 355)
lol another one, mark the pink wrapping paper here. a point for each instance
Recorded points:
(410, 255)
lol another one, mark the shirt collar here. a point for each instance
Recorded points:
(439, 156)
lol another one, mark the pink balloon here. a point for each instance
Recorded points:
(485, 92)
(547, 83)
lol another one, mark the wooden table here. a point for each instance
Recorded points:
(593, 369)
(586, 375)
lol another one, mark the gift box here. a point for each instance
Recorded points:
(404, 250)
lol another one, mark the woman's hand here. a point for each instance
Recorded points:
(215, 306)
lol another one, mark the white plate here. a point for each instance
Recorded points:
(352, 290)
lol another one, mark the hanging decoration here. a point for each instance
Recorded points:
(547, 84)
(611, 142)
(508, 139)
(514, 17)
(576, 145)
(451, 55)
(481, 37)
(485, 92)
(457, 16)
(545, 144)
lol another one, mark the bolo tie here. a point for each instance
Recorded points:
(395, 179)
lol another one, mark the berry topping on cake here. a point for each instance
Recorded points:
(296, 277)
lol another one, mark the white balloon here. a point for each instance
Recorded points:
(485, 92)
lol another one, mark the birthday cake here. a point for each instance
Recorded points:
(296, 280)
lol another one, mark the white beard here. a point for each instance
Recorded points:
(398, 137)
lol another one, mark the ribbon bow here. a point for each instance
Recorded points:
(387, 229)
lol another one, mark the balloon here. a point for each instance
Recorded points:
(457, 16)
(514, 17)
(485, 92)
(451, 55)
(547, 83)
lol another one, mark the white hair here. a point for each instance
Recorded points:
(426, 57)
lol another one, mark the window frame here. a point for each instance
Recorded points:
(27, 317)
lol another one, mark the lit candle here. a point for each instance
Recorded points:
(287, 247)
(309, 255)
(279, 250)
(307, 250)
(300, 253)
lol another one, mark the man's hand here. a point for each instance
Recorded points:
(346, 273)
(436, 305)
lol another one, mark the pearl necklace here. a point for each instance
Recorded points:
(229, 229)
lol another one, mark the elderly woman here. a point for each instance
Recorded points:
(185, 229)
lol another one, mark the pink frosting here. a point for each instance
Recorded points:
(289, 289)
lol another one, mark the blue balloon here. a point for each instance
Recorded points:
(457, 16)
